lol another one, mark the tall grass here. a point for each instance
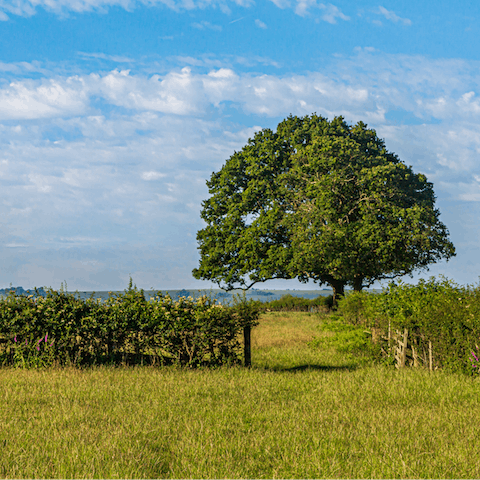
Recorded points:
(301, 411)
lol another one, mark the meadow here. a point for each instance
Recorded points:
(305, 409)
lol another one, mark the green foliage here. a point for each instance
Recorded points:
(33, 353)
(125, 329)
(436, 311)
(346, 338)
(362, 308)
(318, 200)
(247, 311)
(291, 303)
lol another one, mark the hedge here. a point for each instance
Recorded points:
(437, 313)
(291, 303)
(63, 329)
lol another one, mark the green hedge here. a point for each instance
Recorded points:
(436, 311)
(63, 329)
(291, 303)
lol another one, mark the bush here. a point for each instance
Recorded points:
(439, 312)
(346, 338)
(291, 303)
(125, 329)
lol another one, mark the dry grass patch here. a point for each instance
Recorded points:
(286, 329)
(282, 341)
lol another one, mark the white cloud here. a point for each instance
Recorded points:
(260, 24)
(390, 15)
(152, 175)
(47, 98)
(28, 8)
(204, 25)
(102, 56)
(40, 182)
(281, 3)
(180, 93)
(177, 92)
(166, 198)
(448, 106)
(303, 6)
(224, 61)
(330, 12)
(441, 89)
(365, 49)
(124, 155)
(245, 3)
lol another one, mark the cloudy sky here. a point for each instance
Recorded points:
(113, 113)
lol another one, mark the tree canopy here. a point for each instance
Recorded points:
(321, 200)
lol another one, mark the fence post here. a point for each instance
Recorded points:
(401, 349)
(415, 357)
(247, 346)
(430, 356)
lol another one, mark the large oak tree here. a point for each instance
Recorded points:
(318, 200)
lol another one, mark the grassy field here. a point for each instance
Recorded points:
(300, 412)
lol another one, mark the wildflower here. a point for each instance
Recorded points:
(46, 338)
(15, 338)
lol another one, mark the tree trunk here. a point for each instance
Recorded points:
(357, 284)
(338, 288)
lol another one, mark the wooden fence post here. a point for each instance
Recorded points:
(415, 357)
(389, 340)
(247, 346)
(401, 349)
(430, 356)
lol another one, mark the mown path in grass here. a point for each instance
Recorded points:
(281, 342)
(298, 413)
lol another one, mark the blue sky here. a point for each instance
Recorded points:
(113, 113)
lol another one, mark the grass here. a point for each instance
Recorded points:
(300, 412)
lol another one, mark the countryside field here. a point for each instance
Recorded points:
(301, 411)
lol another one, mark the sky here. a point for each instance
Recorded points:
(114, 113)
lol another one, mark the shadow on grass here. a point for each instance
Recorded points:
(322, 368)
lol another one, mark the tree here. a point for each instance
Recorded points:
(318, 200)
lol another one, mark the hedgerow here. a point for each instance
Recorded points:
(63, 329)
(292, 303)
(439, 315)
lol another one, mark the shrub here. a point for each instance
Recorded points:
(346, 338)
(299, 304)
(125, 329)
(436, 312)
